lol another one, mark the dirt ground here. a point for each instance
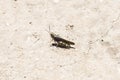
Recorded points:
(25, 43)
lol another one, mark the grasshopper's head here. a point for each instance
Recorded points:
(53, 35)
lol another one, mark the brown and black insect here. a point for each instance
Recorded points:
(59, 39)
(60, 42)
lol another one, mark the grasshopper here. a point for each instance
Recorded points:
(60, 42)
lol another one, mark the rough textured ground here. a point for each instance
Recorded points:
(25, 51)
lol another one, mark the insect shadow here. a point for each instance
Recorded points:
(60, 42)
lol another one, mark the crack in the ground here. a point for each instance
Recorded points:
(113, 22)
(102, 36)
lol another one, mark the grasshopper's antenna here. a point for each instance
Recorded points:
(47, 31)
(49, 28)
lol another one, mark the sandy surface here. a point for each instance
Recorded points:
(25, 51)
